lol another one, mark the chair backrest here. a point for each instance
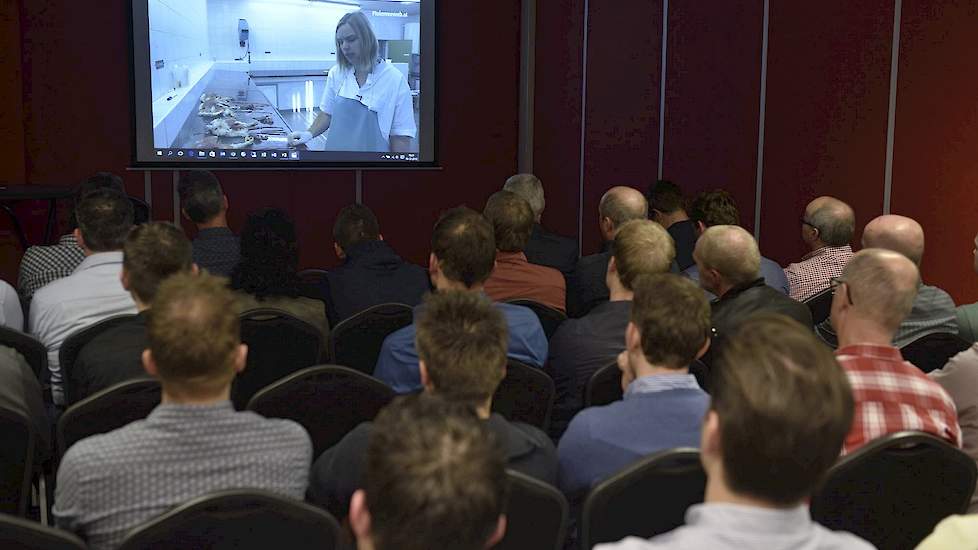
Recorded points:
(32, 349)
(526, 395)
(30, 535)
(895, 489)
(646, 499)
(536, 516)
(549, 317)
(73, 345)
(312, 276)
(604, 386)
(278, 345)
(933, 351)
(107, 410)
(820, 305)
(238, 519)
(16, 462)
(328, 401)
(356, 342)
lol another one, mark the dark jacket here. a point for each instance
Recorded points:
(587, 286)
(684, 235)
(112, 357)
(20, 392)
(741, 302)
(551, 250)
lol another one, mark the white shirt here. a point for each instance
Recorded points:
(385, 92)
(11, 315)
(90, 294)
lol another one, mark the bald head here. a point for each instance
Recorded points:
(621, 204)
(731, 251)
(834, 219)
(882, 286)
(897, 233)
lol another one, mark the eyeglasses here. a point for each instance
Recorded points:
(836, 282)
(809, 224)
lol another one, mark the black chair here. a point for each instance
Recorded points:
(895, 489)
(234, 520)
(33, 351)
(550, 318)
(311, 284)
(278, 345)
(820, 305)
(933, 351)
(312, 276)
(140, 211)
(16, 462)
(603, 387)
(536, 516)
(73, 345)
(30, 535)
(356, 342)
(526, 395)
(107, 410)
(328, 401)
(644, 500)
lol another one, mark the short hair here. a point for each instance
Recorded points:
(152, 252)
(201, 195)
(435, 477)
(619, 209)
(666, 197)
(730, 250)
(104, 219)
(370, 48)
(269, 256)
(530, 188)
(464, 244)
(642, 247)
(512, 220)
(462, 339)
(99, 180)
(714, 208)
(193, 332)
(673, 317)
(355, 224)
(784, 406)
(835, 222)
(878, 288)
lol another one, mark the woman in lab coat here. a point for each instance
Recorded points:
(367, 103)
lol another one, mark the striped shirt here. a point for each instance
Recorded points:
(811, 275)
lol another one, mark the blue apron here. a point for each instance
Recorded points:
(354, 127)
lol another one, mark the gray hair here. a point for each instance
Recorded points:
(835, 221)
(883, 285)
(732, 251)
(530, 188)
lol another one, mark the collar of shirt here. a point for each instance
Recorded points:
(726, 517)
(68, 239)
(167, 412)
(829, 251)
(874, 351)
(511, 257)
(208, 232)
(100, 258)
(655, 383)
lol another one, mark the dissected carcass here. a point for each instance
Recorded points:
(229, 127)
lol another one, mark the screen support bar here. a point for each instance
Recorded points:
(528, 37)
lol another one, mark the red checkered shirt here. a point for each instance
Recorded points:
(891, 395)
(811, 275)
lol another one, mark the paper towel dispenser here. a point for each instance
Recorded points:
(242, 32)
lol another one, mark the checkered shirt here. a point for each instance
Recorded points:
(811, 275)
(891, 395)
(44, 264)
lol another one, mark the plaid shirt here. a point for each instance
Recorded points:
(811, 275)
(891, 395)
(45, 264)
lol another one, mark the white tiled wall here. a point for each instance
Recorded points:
(178, 36)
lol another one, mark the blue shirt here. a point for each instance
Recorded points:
(398, 362)
(773, 274)
(658, 412)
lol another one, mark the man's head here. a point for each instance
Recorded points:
(461, 341)
(104, 219)
(100, 180)
(194, 337)
(642, 247)
(619, 205)
(202, 199)
(877, 289)
(152, 252)
(897, 233)
(665, 202)
(435, 478)
(711, 208)
(781, 408)
(827, 222)
(269, 255)
(726, 256)
(512, 220)
(354, 224)
(530, 188)
(463, 249)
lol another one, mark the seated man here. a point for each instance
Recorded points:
(580, 347)
(544, 247)
(152, 252)
(371, 272)
(872, 297)
(461, 341)
(757, 489)
(216, 249)
(967, 315)
(514, 278)
(826, 228)
(194, 442)
(20, 392)
(959, 378)
(668, 207)
(663, 405)
(94, 291)
(434, 479)
(463, 252)
(11, 312)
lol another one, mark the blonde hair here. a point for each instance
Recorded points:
(732, 251)
(368, 40)
(642, 247)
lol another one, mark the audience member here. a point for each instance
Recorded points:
(587, 288)
(712, 208)
(580, 347)
(668, 207)
(371, 272)
(44, 264)
(967, 315)
(663, 405)
(953, 533)
(461, 340)
(434, 479)
(764, 450)
(959, 378)
(872, 297)
(543, 248)
(20, 392)
(216, 249)
(93, 292)
(267, 275)
(514, 278)
(463, 252)
(11, 314)
(826, 228)
(194, 442)
(152, 252)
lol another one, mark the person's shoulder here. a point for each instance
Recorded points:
(105, 450)
(839, 540)
(957, 531)
(284, 431)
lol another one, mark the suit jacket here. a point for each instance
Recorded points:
(110, 358)
(551, 250)
(587, 287)
(684, 235)
(744, 301)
